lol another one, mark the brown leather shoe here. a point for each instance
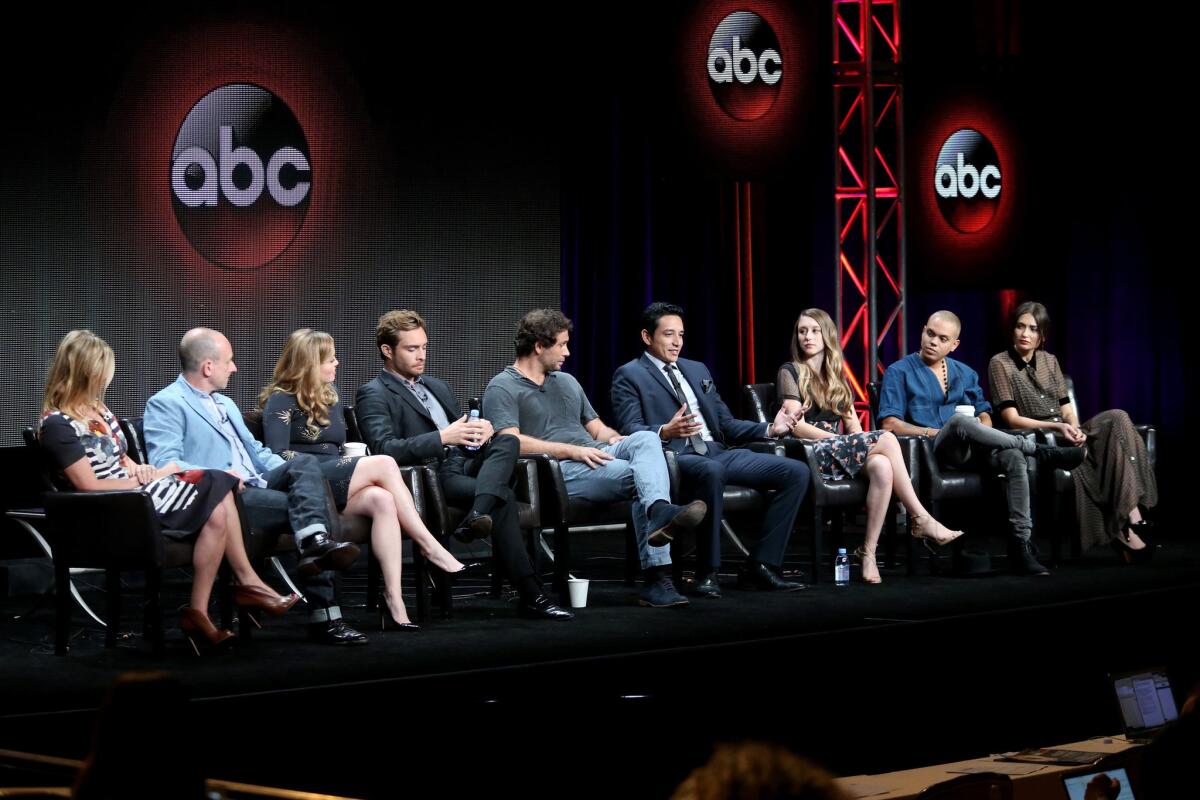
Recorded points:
(196, 625)
(264, 599)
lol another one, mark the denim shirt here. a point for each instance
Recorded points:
(914, 394)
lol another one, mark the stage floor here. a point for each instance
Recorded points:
(840, 673)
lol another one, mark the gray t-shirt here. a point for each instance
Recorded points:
(556, 411)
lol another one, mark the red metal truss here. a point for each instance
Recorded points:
(869, 202)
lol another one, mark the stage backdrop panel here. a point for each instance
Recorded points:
(269, 169)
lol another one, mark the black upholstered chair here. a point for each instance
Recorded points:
(828, 497)
(561, 512)
(115, 531)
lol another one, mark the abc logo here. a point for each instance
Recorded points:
(967, 181)
(744, 65)
(240, 176)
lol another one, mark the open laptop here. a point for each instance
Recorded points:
(1076, 785)
(1146, 702)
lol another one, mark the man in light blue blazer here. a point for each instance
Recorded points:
(677, 399)
(192, 424)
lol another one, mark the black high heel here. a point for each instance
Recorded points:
(387, 622)
(1128, 554)
(469, 568)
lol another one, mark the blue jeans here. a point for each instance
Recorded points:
(638, 470)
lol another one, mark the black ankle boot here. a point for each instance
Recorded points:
(1022, 560)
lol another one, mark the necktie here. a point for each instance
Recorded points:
(697, 443)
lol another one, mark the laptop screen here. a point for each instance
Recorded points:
(1077, 785)
(1146, 701)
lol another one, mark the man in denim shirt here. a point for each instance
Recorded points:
(919, 396)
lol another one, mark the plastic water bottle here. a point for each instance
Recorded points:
(841, 568)
(473, 416)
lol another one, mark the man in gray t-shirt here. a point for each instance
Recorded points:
(547, 410)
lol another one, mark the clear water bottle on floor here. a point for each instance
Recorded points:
(841, 568)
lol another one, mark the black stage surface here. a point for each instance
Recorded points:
(627, 700)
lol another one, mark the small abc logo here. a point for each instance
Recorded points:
(967, 181)
(241, 176)
(744, 65)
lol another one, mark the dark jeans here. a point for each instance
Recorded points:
(295, 500)
(965, 441)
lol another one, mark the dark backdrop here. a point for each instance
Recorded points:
(435, 187)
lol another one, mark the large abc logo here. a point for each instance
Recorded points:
(241, 177)
(967, 181)
(744, 65)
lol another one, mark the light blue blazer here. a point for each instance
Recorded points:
(179, 428)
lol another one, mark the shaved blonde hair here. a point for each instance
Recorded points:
(948, 316)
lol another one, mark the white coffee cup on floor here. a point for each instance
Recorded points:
(578, 588)
(966, 411)
(352, 449)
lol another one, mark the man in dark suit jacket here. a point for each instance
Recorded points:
(677, 399)
(415, 419)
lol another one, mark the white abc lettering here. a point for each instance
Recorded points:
(990, 171)
(230, 158)
(771, 77)
(286, 197)
(744, 55)
(755, 66)
(725, 74)
(967, 181)
(220, 172)
(206, 195)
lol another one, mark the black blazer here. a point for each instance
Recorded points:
(393, 422)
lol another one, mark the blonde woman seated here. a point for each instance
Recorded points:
(302, 414)
(812, 387)
(82, 436)
(1114, 482)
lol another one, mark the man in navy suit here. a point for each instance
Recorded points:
(676, 399)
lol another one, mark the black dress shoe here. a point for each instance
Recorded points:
(320, 553)
(335, 631)
(710, 587)
(542, 607)
(473, 526)
(765, 578)
(469, 568)
(1067, 458)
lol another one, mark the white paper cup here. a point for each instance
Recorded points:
(966, 411)
(578, 588)
(351, 449)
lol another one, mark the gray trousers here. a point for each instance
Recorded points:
(965, 440)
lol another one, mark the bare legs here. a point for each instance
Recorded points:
(220, 537)
(887, 475)
(377, 490)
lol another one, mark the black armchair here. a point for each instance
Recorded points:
(562, 512)
(827, 497)
(115, 531)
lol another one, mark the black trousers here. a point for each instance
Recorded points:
(491, 472)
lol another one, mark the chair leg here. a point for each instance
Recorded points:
(562, 561)
(420, 577)
(112, 604)
(373, 579)
(891, 528)
(152, 609)
(497, 581)
(818, 542)
(632, 561)
(62, 608)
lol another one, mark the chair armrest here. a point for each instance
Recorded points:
(552, 487)
(527, 489)
(773, 447)
(672, 459)
(102, 528)
(439, 509)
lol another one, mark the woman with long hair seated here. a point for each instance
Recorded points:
(83, 438)
(1115, 482)
(812, 387)
(302, 414)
